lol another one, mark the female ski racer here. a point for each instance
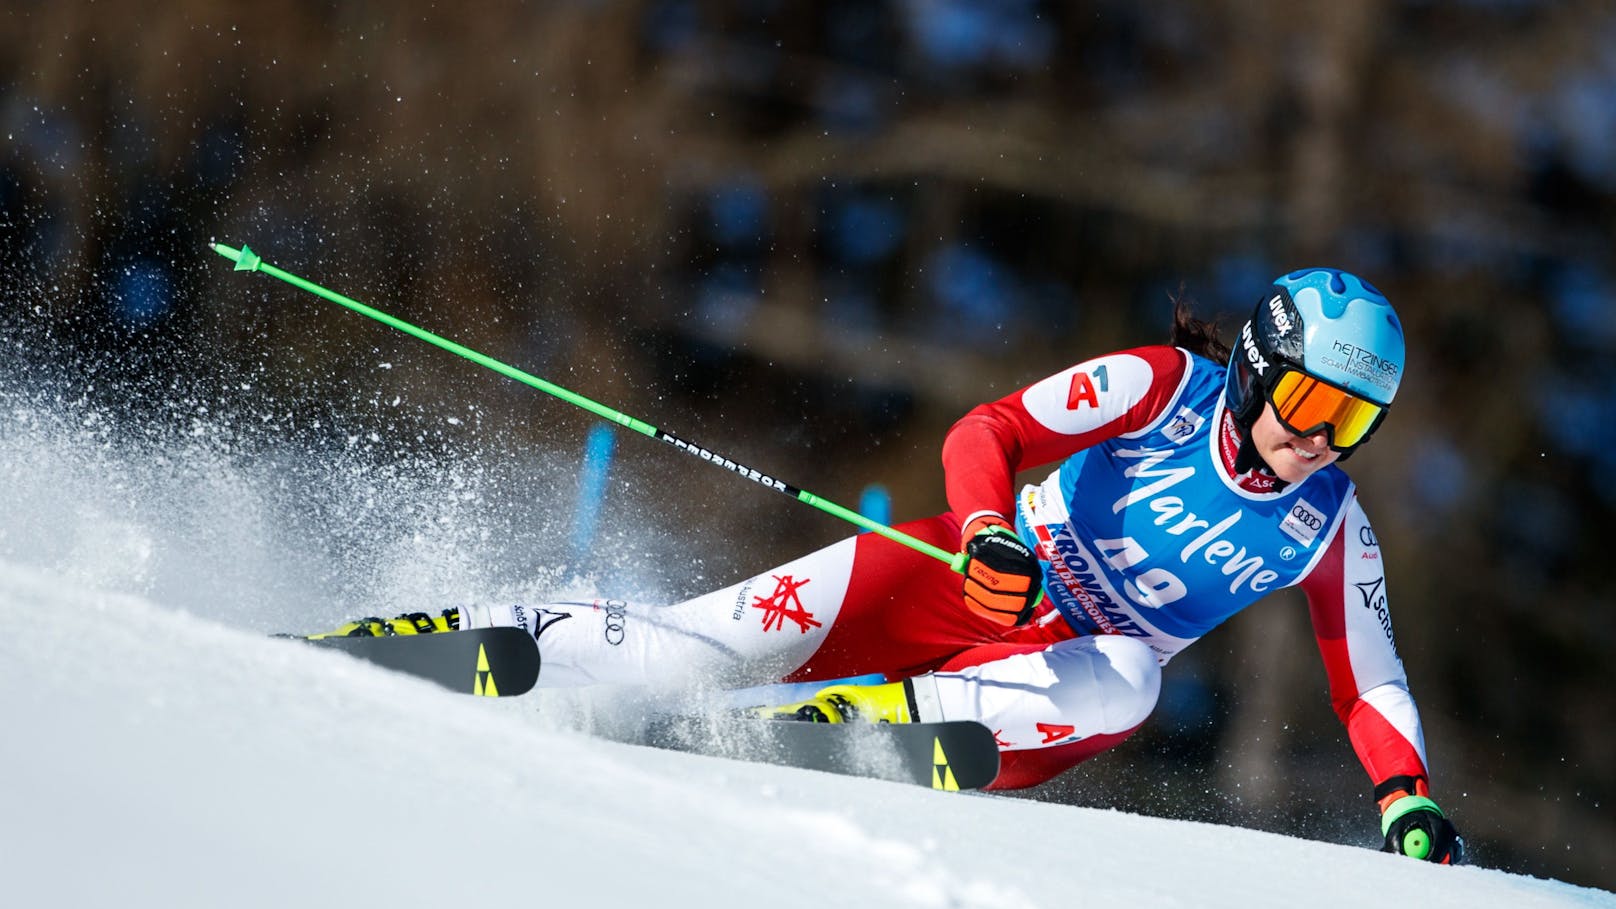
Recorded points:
(1191, 482)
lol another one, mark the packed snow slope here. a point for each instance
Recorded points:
(159, 749)
(154, 758)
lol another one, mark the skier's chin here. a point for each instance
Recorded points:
(1294, 464)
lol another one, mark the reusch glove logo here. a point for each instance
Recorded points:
(1003, 581)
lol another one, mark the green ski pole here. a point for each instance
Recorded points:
(247, 260)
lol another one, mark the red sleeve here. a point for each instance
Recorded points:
(1346, 593)
(1049, 420)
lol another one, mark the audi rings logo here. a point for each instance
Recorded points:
(1307, 517)
(616, 620)
(1366, 536)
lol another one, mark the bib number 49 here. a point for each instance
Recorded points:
(1154, 588)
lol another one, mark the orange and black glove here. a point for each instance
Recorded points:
(1003, 581)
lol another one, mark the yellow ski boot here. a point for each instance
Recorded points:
(408, 623)
(892, 702)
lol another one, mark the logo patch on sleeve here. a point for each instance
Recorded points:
(1303, 523)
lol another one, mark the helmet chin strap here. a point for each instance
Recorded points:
(1246, 457)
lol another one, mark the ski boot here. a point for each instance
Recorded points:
(892, 702)
(408, 623)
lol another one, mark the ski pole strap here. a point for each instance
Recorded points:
(247, 260)
(1405, 784)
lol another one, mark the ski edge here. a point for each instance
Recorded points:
(948, 755)
(486, 662)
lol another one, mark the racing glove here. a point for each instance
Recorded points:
(1003, 581)
(1414, 826)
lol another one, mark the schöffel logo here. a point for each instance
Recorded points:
(544, 618)
(1374, 600)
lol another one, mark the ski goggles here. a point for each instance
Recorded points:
(1306, 405)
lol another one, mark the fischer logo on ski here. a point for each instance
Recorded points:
(941, 776)
(484, 685)
(510, 654)
(947, 756)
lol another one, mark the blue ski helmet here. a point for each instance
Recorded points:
(1329, 325)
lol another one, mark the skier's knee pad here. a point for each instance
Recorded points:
(1133, 665)
(1126, 677)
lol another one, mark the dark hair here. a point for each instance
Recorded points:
(1197, 336)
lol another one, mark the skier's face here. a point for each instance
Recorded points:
(1291, 457)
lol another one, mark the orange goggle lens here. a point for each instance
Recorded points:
(1306, 405)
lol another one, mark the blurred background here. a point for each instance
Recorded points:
(811, 235)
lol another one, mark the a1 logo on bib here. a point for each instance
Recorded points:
(1303, 523)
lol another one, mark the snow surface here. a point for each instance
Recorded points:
(158, 749)
(154, 758)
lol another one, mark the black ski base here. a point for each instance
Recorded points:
(951, 755)
(490, 662)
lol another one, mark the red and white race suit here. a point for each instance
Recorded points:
(1161, 542)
